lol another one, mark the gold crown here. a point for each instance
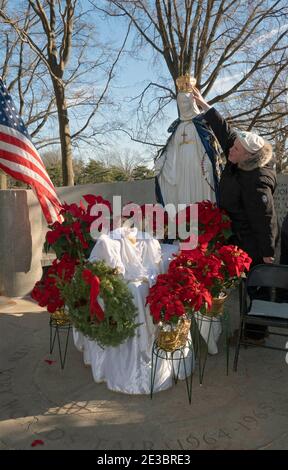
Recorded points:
(185, 83)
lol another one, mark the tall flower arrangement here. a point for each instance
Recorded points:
(72, 242)
(217, 271)
(73, 235)
(214, 225)
(195, 277)
(97, 299)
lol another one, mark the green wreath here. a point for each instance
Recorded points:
(119, 310)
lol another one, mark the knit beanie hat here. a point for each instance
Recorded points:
(250, 141)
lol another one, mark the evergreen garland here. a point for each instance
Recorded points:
(119, 309)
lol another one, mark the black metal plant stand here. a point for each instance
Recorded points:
(60, 325)
(201, 345)
(175, 357)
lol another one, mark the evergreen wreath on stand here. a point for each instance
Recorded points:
(110, 324)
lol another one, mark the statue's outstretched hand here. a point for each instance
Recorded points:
(200, 100)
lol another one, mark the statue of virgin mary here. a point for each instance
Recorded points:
(188, 168)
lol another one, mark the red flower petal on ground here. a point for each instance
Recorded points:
(37, 442)
(49, 361)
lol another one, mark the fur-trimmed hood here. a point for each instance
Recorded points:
(258, 159)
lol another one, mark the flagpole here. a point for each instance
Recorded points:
(3, 176)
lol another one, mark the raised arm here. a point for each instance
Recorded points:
(219, 125)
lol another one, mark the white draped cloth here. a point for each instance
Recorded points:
(210, 329)
(127, 368)
(184, 170)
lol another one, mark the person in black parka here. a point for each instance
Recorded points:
(247, 185)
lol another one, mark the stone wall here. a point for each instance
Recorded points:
(281, 197)
(21, 242)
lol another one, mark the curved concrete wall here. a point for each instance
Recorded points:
(20, 242)
(23, 228)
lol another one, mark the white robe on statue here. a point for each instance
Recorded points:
(185, 176)
(184, 170)
(127, 368)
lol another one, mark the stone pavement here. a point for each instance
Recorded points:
(66, 409)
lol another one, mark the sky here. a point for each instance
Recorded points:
(132, 75)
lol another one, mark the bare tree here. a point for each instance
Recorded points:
(25, 77)
(124, 165)
(18, 68)
(66, 30)
(264, 109)
(212, 39)
(56, 58)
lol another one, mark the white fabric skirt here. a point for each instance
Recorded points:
(127, 368)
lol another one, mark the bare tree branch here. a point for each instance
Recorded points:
(110, 75)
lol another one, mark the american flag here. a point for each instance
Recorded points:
(20, 159)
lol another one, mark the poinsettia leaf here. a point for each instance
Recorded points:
(90, 198)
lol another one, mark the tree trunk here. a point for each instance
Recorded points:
(65, 135)
(3, 180)
(279, 148)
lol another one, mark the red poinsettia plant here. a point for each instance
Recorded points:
(194, 278)
(72, 242)
(73, 236)
(177, 294)
(214, 225)
(217, 271)
(46, 292)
